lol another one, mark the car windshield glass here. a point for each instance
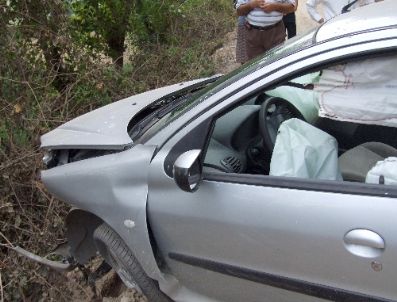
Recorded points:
(194, 99)
(168, 105)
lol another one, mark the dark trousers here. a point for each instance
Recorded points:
(260, 41)
(290, 24)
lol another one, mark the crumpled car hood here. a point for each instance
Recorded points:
(106, 127)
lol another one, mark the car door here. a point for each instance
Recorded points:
(247, 238)
(238, 240)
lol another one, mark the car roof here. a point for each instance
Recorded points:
(370, 17)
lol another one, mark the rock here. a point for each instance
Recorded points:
(108, 285)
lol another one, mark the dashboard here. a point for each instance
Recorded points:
(233, 135)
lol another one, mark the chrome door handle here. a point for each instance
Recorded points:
(364, 243)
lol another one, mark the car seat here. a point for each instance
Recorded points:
(355, 163)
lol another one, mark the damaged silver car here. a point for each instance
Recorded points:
(276, 182)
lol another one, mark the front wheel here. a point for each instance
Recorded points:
(116, 253)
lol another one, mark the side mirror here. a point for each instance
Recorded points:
(187, 170)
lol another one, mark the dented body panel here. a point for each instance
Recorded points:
(106, 127)
(114, 189)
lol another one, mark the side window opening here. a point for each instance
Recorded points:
(338, 123)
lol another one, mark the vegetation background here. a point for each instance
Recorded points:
(60, 59)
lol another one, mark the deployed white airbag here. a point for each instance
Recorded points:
(302, 150)
(303, 99)
(384, 172)
(362, 92)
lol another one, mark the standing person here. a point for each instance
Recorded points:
(241, 43)
(290, 23)
(265, 28)
(332, 8)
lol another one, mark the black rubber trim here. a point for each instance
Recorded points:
(345, 9)
(330, 186)
(290, 284)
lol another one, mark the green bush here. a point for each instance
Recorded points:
(52, 69)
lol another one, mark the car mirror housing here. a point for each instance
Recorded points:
(187, 170)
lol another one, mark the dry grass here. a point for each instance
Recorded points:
(30, 106)
(29, 216)
(1, 290)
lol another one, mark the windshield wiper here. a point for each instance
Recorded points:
(158, 110)
(346, 8)
(154, 112)
(170, 106)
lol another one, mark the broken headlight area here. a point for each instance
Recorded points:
(59, 157)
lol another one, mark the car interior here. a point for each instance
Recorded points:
(254, 138)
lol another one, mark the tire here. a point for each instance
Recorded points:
(116, 253)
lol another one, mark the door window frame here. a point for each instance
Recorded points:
(205, 122)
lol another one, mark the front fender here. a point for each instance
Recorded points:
(113, 187)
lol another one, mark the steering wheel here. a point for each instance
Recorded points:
(273, 112)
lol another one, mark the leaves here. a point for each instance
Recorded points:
(54, 67)
(17, 108)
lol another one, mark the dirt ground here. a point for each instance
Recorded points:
(108, 287)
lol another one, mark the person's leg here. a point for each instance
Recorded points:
(254, 43)
(290, 24)
(273, 36)
(241, 44)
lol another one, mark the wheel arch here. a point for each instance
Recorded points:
(80, 226)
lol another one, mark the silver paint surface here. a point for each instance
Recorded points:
(105, 127)
(114, 187)
(369, 17)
